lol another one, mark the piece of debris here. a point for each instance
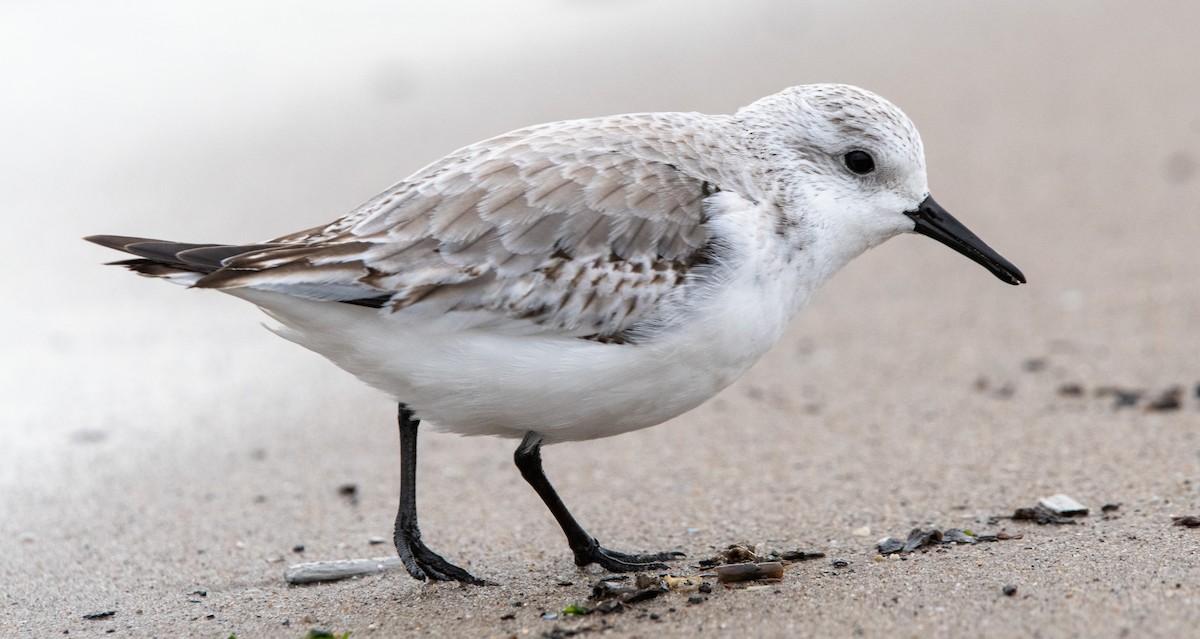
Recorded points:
(733, 554)
(320, 571)
(749, 571)
(683, 584)
(643, 580)
(918, 538)
(350, 492)
(375, 541)
(840, 563)
(1063, 505)
(745, 553)
(1040, 514)
(1122, 397)
(1070, 390)
(739, 554)
(889, 545)
(605, 589)
(1009, 590)
(298, 548)
(575, 610)
(1110, 507)
(100, 615)
(957, 536)
(864, 531)
(1189, 521)
(1170, 399)
(798, 555)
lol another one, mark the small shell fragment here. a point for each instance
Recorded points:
(749, 571)
(682, 584)
(1064, 505)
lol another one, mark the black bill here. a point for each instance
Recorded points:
(933, 220)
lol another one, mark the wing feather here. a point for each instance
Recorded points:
(580, 227)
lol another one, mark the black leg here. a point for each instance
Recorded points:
(528, 458)
(421, 562)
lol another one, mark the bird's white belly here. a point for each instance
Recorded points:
(483, 382)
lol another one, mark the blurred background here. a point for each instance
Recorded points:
(1066, 134)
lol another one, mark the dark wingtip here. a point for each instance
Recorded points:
(118, 242)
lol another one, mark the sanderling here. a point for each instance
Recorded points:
(586, 278)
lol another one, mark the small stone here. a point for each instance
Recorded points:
(863, 531)
(298, 548)
(1009, 590)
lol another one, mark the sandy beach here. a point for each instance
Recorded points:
(165, 458)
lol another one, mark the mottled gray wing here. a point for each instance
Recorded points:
(582, 227)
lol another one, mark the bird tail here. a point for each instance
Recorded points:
(188, 264)
(173, 261)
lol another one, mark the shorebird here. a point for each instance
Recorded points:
(585, 278)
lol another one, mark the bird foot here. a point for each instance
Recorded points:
(422, 563)
(617, 561)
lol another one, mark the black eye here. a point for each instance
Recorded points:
(860, 162)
